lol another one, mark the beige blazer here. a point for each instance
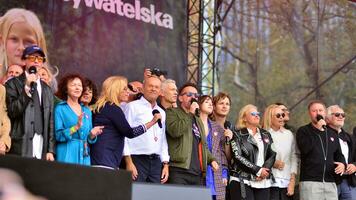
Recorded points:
(5, 124)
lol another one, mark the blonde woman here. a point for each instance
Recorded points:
(252, 158)
(107, 151)
(285, 166)
(19, 28)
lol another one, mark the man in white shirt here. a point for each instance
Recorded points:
(147, 156)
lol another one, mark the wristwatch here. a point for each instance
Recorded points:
(165, 163)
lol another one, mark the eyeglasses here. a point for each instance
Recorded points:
(190, 94)
(34, 58)
(279, 115)
(256, 114)
(339, 114)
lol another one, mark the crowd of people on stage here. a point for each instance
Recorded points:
(164, 134)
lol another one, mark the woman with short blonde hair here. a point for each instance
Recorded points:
(253, 158)
(241, 122)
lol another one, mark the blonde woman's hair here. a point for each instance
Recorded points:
(267, 116)
(240, 122)
(44, 67)
(11, 17)
(110, 91)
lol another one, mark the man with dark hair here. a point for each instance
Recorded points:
(30, 108)
(187, 146)
(321, 156)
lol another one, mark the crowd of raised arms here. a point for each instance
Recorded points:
(167, 135)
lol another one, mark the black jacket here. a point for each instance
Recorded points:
(21, 113)
(351, 142)
(245, 151)
(313, 144)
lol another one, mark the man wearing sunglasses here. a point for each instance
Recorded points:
(189, 155)
(320, 155)
(30, 108)
(335, 118)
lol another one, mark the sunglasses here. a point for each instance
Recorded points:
(339, 114)
(191, 94)
(256, 114)
(279, 115)
(34, 58)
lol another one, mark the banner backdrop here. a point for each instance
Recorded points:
(99, 38)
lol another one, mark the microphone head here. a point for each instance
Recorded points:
(319, 117)
(155, 111)
(227, 125)
(32, 70)
(193, 100)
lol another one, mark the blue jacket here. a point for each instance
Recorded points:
(107, 151)
(72, 148)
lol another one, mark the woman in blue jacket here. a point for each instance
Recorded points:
(73, 123)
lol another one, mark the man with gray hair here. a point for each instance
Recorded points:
(346, 184)
(169, 93)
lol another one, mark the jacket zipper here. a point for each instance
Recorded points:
(322, 148)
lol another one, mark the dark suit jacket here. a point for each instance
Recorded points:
(108, 148)
(351, 143)
(21, 112)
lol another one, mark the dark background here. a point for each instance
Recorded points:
(98, 44)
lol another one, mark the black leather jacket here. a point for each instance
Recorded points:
(21, 113)
(245, 151)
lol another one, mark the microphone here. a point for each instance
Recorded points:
(197, 111)
(318, 118)
(227, 125)
(32, 70)
(155, 111)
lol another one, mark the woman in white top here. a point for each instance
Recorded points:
(285, 166)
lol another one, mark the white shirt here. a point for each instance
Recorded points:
(344, 149)
(285, 146)
(37, 141)
(154, 140)
(265, 183)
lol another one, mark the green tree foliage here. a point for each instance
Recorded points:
(279, 50)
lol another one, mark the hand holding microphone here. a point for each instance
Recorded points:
(157, 117)
(31, 78)
(194, 107)
(228, 133)
(321, 124)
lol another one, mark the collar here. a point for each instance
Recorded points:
(65, 102)
(250, 132)
(144, 101)
(280, 130)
